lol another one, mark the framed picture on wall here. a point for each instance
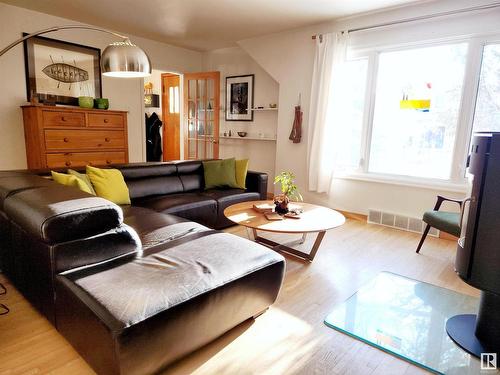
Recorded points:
(61, 70)
(239, 98)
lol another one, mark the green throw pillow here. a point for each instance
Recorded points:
(241, 167)
(220, 173)
(83, 177)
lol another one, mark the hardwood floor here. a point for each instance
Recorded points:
(290, 338)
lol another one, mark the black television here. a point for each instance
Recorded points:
(478, 252)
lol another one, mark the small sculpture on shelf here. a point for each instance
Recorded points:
(288, 191)
(148, 88)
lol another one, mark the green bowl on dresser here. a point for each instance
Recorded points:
(86, 102)
(101, 103)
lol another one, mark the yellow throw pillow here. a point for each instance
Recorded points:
(69, 180)
(109, 184)
(241, 169)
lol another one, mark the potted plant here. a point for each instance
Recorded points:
(288, 191)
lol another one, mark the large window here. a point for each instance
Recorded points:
(416, 110)
(487, 114)
(409, 112)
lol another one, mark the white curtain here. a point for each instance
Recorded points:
(323, 121)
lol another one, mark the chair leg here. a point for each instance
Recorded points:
(426, 231)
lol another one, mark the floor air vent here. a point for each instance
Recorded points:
(409, 224)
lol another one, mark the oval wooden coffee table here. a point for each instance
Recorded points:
(314, 219)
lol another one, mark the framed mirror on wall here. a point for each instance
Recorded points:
(239, 98)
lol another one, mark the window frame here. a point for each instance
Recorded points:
(465, 120)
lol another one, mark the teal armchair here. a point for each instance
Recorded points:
(445, 221)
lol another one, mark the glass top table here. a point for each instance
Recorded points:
(407, 318)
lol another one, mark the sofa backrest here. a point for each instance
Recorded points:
(152, 178)
(157, 179)
(146, 179)
(191, 175)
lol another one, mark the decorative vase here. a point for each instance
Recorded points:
(281, 204)
(101, 103)
(86, 102)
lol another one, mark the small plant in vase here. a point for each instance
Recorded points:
(289, 191)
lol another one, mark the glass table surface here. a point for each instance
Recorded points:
(407, 318)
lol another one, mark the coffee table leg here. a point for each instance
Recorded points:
(284, 248)
(250, 234)
(255, 235)
(316, 245)
(303, 239)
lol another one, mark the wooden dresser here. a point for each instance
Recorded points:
(59, 137)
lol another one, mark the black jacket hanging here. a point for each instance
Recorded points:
(153, 138)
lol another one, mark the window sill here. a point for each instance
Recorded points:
(423, 183)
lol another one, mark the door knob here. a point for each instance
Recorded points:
(68, 163)
(66, 139)
(107, 139)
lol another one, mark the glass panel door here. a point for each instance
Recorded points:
(201, 103)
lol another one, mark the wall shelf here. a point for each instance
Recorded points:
(264, 109)
(248, 138)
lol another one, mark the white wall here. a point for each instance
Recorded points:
(124, 94)
(288, 58)
(262, 154)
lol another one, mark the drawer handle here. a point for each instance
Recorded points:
(66, 139)
(107, 139)
(68, 163)
(108, 161)
(106, 120)
(63, 118)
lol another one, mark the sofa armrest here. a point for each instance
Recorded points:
(257, 182)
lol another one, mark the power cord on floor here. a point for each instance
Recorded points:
(4, 310)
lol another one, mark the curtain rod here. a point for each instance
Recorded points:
(426, 17)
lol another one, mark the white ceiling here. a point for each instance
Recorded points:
(202, 24)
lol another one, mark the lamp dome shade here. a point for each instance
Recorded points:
(125, 60)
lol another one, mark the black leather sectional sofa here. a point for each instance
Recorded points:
(134, 288)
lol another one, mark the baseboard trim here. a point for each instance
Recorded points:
(354, 216)
(447, 236)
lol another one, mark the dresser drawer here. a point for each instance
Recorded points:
(84, 139)
(80, 159)
(52, 118)
(105, 120)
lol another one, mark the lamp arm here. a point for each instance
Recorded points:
(57, 28)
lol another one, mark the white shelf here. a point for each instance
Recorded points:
(263, 109)
(248, 138)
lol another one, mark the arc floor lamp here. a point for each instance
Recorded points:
(121, 59)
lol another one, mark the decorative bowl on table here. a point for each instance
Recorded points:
(86, 102)
(242, 134)
(101, 103)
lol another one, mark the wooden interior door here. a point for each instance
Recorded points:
(171, 116)
(201, 115)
